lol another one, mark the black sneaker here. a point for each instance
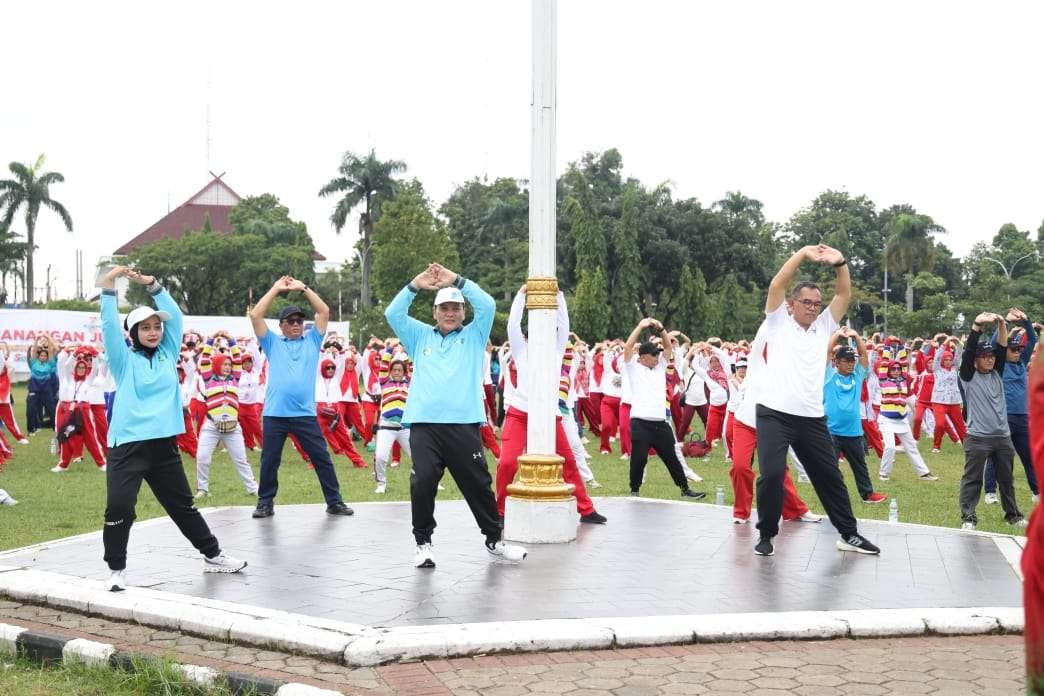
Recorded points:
(857, 543)
(764, 547)
(593, 518)
(339, 509)
(263, 510)
(695, 495)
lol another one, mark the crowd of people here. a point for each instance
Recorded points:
(803, 390)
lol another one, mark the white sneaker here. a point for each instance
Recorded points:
(585, 441)
(425, 556)
(1036, 498)
(78, 460)
(740, 520)
(441, 487)
(381, 488)
(593, 483)
(1021, 523)
(118, 581)
(624, 457)
(928, 477)
(970, 526)
(935, 451)
(58, 469)
(992, 499)
(395, 464)
(694, 477)
(6, 499)
(201, 494)
(884, 477)
(103, 467)
(507, 552)
(612, 439)
(24, 441)
(810, 516)
(223, 564)
(804, 479)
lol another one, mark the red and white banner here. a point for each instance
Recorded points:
(20, 327)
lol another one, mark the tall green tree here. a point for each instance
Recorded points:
(30, 190)
(909, 248)
(369, 181)
(692, 311)
(626, 292)
(589, 312)
(408, 237)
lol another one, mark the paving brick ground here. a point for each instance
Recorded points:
(961, 666)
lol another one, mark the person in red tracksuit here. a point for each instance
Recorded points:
(251, 396)
(6, 413)
(187, 441)
(327, 394)
(73, 421)
(612, 391)
(1033, 554)
(514, 434)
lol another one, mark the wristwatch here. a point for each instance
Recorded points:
(842, 262)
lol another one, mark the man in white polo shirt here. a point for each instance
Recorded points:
(646, 370)
(790, 405)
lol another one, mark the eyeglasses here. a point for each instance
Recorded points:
(294, 321)
(811, 304)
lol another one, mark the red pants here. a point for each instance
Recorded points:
(73, 447)
(7, 416)
(489, 440)
(198, 409)
(955, 426)
(300, 450)
(250, 422)
(625, 428)
(742, 474)
(730, 430)
(352, 415)
(688, 411)
(370, 414)
(187, 441)
(677, 414)
(101, 426)
(610, 419)
(589, 412)
(491, 401)
(873, 436)
(715, 423)
(513, 441)
(337, 435)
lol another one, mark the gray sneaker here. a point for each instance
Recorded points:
(223, 564)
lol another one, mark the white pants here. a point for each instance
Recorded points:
(797, 463)
(890, 428)
(579, 453)
(209, 437)
(385, 440)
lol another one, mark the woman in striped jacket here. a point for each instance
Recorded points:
(895, 394)
(220, 375)
(395, 388)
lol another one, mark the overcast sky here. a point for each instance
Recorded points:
(936, 104)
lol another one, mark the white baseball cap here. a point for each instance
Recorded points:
(449, 295)
(140, 314)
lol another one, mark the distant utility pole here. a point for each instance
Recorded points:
(48, 294)
(79, 274)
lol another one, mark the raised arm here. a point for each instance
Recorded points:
(516, 338)
(482, 303)
(397, 315)
(785, 276)
(320, 308)
(112, 329)
(633, 338)
(259, 310)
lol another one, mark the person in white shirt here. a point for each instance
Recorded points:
(646, 369)
(101, 383)
(251, 395)
(790, 405)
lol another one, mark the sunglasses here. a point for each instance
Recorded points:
(295, 321)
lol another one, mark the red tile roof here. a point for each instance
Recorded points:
(190, 216)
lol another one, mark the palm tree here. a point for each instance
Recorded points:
(30, 188)
(12, 251)
(909, 247)
(367, 181)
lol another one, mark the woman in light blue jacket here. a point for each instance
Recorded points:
(146, 420)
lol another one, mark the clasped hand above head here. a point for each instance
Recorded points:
(435, 277)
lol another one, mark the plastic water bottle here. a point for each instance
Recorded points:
(54, 445)
(719, 495)
(893, 511)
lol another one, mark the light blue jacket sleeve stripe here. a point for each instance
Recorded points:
(405, 327)
(116, 349)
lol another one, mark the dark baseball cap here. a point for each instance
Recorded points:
(845, 353)
(292, 310)
(649, 348)
(985, 348)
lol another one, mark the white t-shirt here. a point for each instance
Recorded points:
(612, 381)
(795, 360)
(648, 388)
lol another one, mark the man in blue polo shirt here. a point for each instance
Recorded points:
(841, 392)
(293, 360)
(444, 410)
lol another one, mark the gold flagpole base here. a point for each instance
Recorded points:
(540, 478)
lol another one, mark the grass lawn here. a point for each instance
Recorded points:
(58, 505)
(22, 678)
